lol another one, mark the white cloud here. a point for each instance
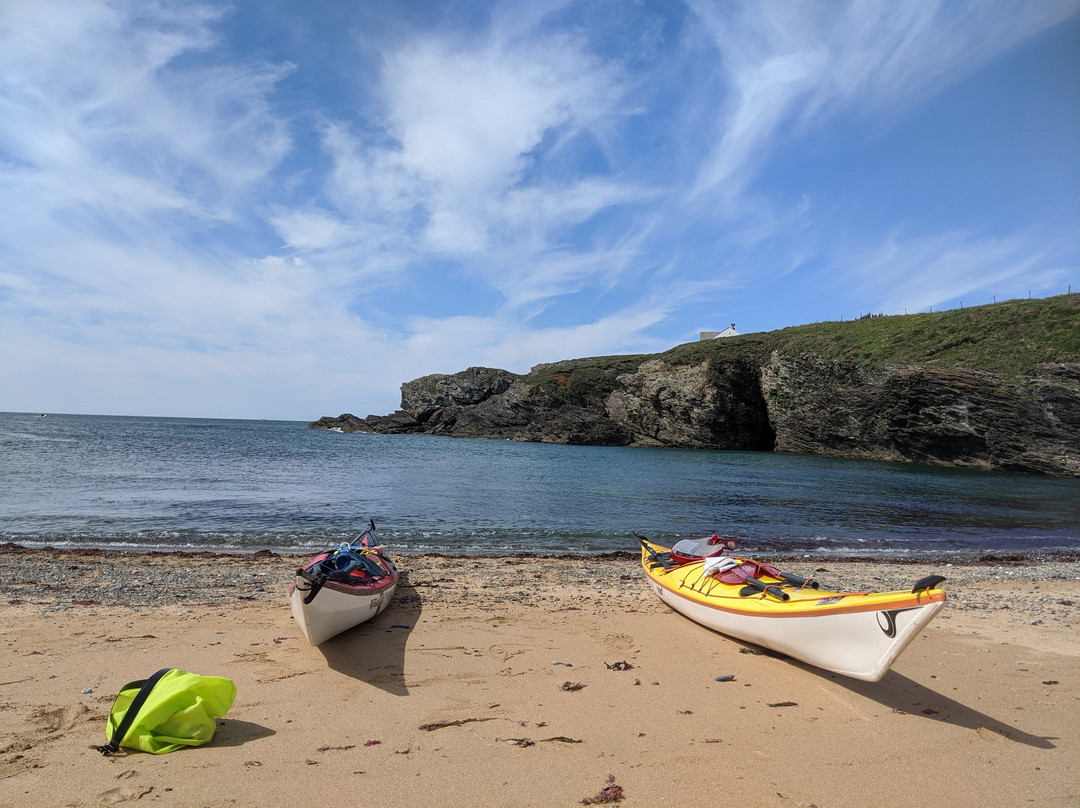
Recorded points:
(110, 127)
(791, 66)
(100, 108)
(450, 231)
(463, 168)
(310, 229)
(473, 122)
(947, 268)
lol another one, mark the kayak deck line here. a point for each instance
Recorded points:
(814, 603)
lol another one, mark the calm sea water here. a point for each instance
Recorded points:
(72, 480)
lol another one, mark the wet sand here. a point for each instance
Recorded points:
(531, 682)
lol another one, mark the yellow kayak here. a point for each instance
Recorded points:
(857, 634)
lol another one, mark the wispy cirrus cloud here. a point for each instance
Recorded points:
(916, 273)
(791, 67)
(101, 96)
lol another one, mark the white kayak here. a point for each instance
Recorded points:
(342, 588)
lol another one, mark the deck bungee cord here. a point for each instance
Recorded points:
(350, 563)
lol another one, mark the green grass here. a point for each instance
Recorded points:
(1007, 339)
(585, 381)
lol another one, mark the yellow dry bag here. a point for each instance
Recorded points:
(171, 709)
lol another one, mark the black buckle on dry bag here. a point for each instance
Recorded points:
(113, 746)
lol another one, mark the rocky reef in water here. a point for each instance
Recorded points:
(995, 388)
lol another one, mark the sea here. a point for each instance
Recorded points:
(137, 483)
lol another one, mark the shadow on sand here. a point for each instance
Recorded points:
(374, 652)
(905, 695)
(237, 733)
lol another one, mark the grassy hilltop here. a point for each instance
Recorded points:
(1006, 339)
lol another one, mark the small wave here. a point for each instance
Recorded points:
(17, 437)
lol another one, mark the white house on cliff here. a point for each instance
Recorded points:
(727, 332)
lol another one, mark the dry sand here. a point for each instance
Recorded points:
(465, 691)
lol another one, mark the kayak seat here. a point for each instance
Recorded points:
(738, 574)
(686, 550)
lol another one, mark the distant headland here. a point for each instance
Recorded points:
(993, 387)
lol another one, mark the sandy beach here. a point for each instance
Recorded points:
(531, 682)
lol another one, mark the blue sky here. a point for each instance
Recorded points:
(272, 209)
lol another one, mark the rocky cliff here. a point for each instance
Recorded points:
(759, 394)
(928, 415)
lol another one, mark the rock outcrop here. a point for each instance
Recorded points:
(992, 387)
(797, 404)
(710, 405)
(928, 415)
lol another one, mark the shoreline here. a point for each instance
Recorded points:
(19, 562)
(91, 577)
(465, 690)
(966, 557)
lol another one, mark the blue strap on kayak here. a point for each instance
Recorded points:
(339, 566)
